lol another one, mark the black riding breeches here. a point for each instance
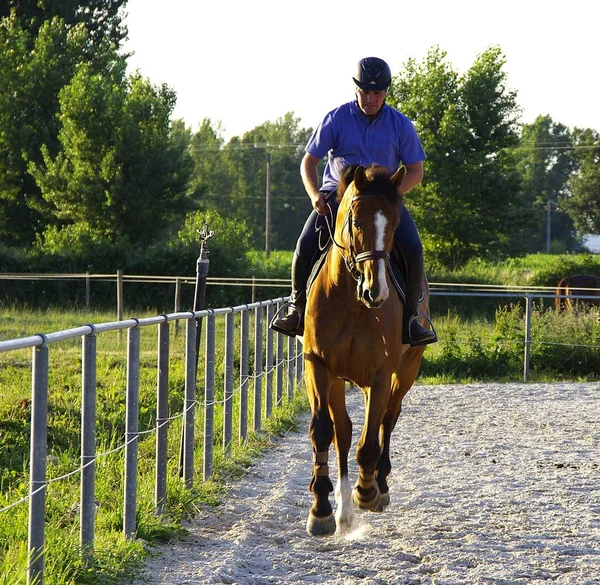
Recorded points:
(315, 235)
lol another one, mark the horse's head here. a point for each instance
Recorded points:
(369, 213)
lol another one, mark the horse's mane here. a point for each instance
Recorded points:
(379, 182)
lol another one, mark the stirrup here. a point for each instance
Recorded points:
(426, 341)
(276, 316)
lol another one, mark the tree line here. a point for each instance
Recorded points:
(90, 156)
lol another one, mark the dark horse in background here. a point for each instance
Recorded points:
(354, 333)
(578, 285)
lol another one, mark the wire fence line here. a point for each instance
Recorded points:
(265, 382)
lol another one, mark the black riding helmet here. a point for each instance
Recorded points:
(373, 73)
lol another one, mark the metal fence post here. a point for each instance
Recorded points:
(119, 296)
(131, 431)
(87, 290)
(269, 361)
(88, 446)
(527, 357)
(299, 362)
(37, 465)
(177, 303)
(279, 370)
(244, 369)
(228, 384)
(290, 368)
(190, 400)
(257, 367)
(162, 418)
(209, 398)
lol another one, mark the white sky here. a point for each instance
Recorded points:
(246, 62)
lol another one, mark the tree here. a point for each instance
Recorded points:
(582, 204)
(41, 44)
(545, 162)
(231, 178)
(469, 200)
(122, 170)
(102, 18)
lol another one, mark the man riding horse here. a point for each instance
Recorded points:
(365, 131)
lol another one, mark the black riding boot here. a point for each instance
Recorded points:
(292, 323)
(413, 332)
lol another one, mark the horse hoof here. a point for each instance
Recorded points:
(384, 502)
(316, 526)
(363, 503)
(344, 524)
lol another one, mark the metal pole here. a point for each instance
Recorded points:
(119, 296)
(131, 431)
(548, 226)
(88, 446)
(162, 418)
(299, 362)
(177, 303)
(228, 384)
(269, 362)
(202, 266)
(87, 290)
(190, 399)
(257, 367)
(290, 368)
(528, 311)
(120, 301)
(209, 399)
(268, 207)
(37, 465)
(279, 371)
(244, 369)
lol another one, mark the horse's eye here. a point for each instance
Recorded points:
(357, 225)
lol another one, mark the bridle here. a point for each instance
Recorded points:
(352, 259)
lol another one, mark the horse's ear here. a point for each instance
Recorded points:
(398, 177)
(360, 178)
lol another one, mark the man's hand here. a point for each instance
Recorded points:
(318, 203)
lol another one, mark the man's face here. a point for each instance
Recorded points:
(370, 101)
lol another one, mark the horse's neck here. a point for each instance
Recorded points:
(339, 276)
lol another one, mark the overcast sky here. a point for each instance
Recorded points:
(242, 63)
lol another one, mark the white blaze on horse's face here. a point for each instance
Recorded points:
(367, 284)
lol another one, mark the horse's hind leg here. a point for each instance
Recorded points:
(344, 514)
(402, 382)
(320, 520)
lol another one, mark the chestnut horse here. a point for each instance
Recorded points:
(578, 284)
(353, 332)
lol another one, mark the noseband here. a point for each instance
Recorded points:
(352, 259)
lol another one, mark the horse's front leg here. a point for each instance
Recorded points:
(318, 381)
(366, 494)
(344, 514)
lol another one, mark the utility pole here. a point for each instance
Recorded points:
(548, 226)
(268, 206)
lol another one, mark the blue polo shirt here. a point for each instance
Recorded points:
(347, 136)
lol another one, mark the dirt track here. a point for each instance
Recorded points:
(492, 484)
